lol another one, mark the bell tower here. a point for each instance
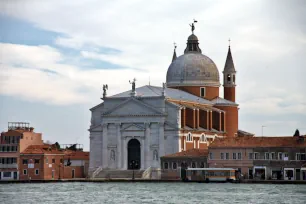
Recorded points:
(229, 77)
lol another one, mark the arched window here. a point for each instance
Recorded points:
(189, 137)
(193, 165)
(228, 77)
(174, 165)
(234, 78)
(166, 165)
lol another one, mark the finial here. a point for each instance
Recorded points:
(174, 45)
(229, 42)
(192, 25)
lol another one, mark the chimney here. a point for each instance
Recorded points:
(31, 129)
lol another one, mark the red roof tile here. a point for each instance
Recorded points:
(42, 149)
(188, 153)
(251, 142)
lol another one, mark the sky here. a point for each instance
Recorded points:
(56, 55)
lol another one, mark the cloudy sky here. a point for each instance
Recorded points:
(56, 55)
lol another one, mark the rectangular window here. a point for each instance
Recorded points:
(297, 156)
(36, 161)
(174, 165)
(24, 161)
(222, 155)
(280, 156)
(53, 161)
(251, 156)
(303, 156)
(36, 171)
(202, 94)
(256, 155)
(227, 156)
(286, 156)
(7, 174)
(210, 155)
(234, 156)
(239, 155)
(272, 155)
(25, 172)
(267, 156)
(47, 161)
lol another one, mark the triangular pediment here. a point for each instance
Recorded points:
(132, 106)
(134, 127)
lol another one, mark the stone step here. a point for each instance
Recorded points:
(119, 174)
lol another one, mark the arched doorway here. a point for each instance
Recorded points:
(133, 154)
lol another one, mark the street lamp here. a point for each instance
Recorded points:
(133, 164)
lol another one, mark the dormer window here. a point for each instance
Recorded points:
(202, 91)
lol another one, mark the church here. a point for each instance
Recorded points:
(133, 129)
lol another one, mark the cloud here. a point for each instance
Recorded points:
(268, 46)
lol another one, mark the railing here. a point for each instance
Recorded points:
(147, 173)
(8, 166)
(96, 172)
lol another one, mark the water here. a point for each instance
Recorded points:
(151, 193)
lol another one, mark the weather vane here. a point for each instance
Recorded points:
(192, 25)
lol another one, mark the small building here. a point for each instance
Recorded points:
(17, 138)
(173, 163)
(47, 162)
(261, 157)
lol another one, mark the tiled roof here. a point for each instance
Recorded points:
(41, 149)
(153, 91)
(221, 101)
(188, 154)
(252, 142)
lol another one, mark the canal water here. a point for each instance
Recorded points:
(151, 193)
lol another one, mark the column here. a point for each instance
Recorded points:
(118, 155)
(147, 145)
(194, 118)
(220, 125)
(210, 120)
(207, 120)
(104, 146)
(124, 153)
(184, 117)
(142, 156)
(161, 140)
(224, 121)
(198, 118)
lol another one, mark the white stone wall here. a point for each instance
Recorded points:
(109, 136)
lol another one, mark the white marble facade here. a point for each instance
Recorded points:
(153, 121)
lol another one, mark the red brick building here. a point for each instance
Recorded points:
(17, 138)
(46, 162)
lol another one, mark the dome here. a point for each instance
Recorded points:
(193, 69)
(192, 37)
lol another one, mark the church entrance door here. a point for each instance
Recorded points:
(133, 154)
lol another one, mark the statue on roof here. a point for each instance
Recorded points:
(192, 25)
(105, 87)
(133, 84)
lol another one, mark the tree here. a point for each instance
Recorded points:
(297, 133)
(56, 144)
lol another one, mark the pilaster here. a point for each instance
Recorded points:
(161, 140)
(104, 146)
(118, 157)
